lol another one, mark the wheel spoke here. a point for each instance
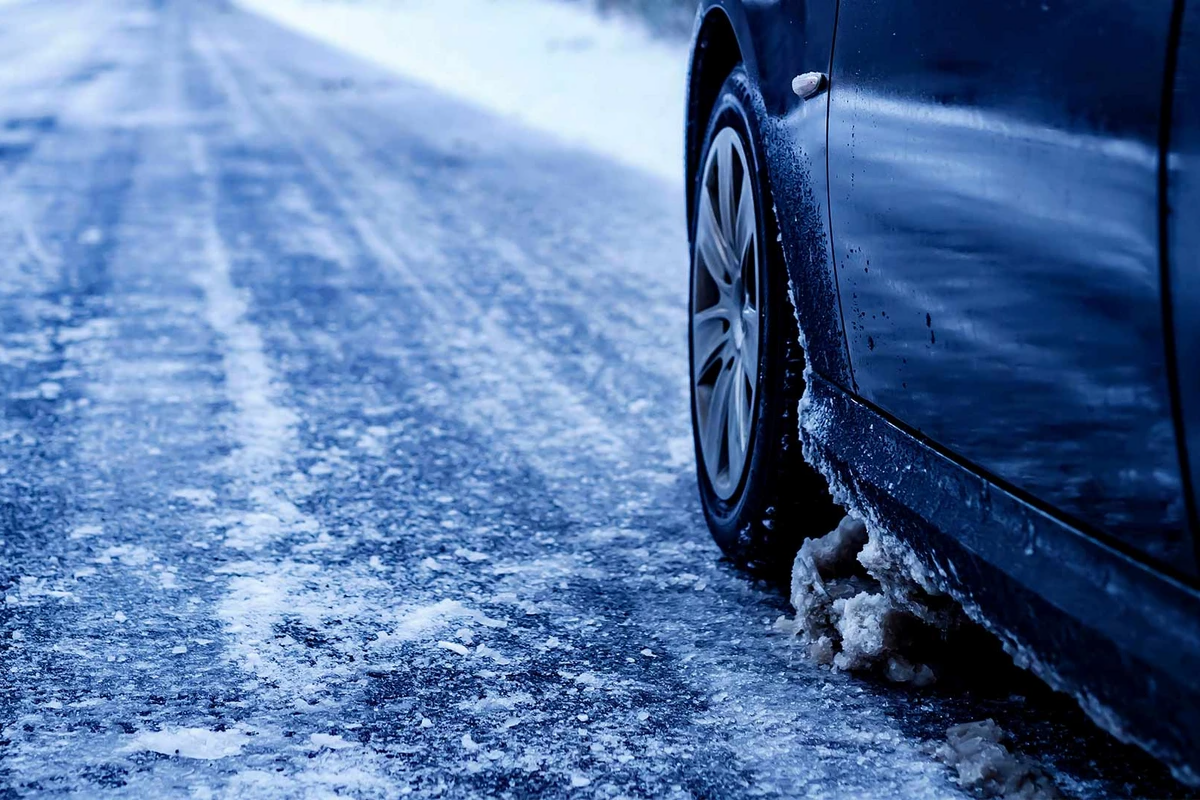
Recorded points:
(733, 429)
(736, 420)
(747, 226)
(725, 156)
(713, 433)
(710, 244)
(750, 344)
(710, 338)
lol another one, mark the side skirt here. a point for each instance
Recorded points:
(1087, 619)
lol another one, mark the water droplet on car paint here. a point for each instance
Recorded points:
(871, 342)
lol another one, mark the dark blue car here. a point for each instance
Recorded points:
(986, 217)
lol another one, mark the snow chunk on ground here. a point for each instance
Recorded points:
(201, 498)
(331, 741)
(190, 742)
(985, 766)
(816, 587)
(860, 605)
(420, 621)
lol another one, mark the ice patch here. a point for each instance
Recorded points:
(681, 451)
(256, 529)
(987, 768)
(129, 554)
(91, 236)
(92, 329)
(495, 655)
(190, 742)
(425, 619)
(454, 647)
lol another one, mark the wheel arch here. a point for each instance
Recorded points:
(720, 43)
(770, 41)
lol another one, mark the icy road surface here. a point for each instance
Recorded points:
(345, 450)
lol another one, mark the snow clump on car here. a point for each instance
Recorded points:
(859, 608)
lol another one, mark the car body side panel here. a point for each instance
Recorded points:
(778, 40)
(994, 196)
(1183, 240)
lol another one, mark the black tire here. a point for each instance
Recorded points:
(779, 499)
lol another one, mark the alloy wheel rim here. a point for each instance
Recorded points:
(726, 316)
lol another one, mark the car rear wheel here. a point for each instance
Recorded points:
(747, 366)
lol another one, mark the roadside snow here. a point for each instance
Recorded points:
(601, 83)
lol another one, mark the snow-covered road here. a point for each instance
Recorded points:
(345, 451)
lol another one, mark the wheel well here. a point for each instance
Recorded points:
(715, 56)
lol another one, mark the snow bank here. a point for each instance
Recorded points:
(603, 83)
(986, 767)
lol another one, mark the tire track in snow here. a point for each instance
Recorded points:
(267, 588)
(477, 339)
(77, 666)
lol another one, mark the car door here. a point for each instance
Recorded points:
(1183, 239)
(994, 215)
